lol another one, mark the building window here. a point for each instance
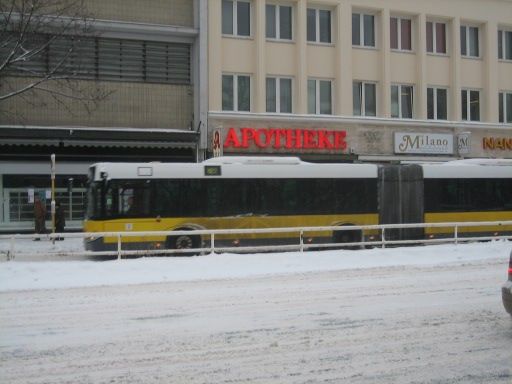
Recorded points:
(99, 58)
(437, 104)
(504, 45)
(364, 99)
(505, 107)
(469, 45)
(278, 22)
(401, 33)
(319, 97)
(363, 30)
(236, 17)
(436, 37)
(236, 93)
(279, 95)
(470, 105)
(319, 25)
(402, 101)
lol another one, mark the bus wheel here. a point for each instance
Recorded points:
(348, 236)
(183, 242)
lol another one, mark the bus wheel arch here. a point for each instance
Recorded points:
(349, 236)
(184, 241)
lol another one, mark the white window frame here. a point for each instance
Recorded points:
(317, 96)
(278, 22)
(400, 112)
(468, 55)
(235, 20)
(235, 91)
(399, 33)
(468, 103)
(317, 26)
(503, 45)
(362, 14)
(434, 37)
(363, 98)
(435, 102)
(278, 92)
(504, 106)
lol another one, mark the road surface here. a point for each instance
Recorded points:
(433, 324)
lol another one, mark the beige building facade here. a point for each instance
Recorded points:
(347, 80)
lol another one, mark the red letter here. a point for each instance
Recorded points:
(247, 135)
(339, 140)
(323, 140)
(232, 139)
(309, 139)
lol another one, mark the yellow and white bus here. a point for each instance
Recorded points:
(272, 192)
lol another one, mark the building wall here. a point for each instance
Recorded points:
(127, 104)
(136, 105)
(343, 63)
(167, 12)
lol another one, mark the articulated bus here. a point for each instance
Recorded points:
(272, 192)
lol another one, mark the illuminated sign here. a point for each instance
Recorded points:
(502, 143)
(277, 138)
(212, 170)
(434, 144)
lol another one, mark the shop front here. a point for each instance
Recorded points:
(338, 139)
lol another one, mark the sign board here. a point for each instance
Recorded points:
(286, 139)
(216, 144)
(464, 143)
(424, 143)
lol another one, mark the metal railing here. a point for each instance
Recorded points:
(451, 234)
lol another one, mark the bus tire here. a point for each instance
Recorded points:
(348, 236)
(183, 242)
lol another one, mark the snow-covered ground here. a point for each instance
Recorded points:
(415, 315)
(44, 272)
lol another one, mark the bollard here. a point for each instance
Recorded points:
(301, 241)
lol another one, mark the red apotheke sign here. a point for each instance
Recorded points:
(286, 138)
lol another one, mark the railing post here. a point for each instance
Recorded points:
(301, 241)
(118, 246)
(212, 243)
(10, 255)
(383, 237)
(456, 231)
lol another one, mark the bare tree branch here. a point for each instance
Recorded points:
(40, 41)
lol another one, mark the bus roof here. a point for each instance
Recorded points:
(233, 169)
(290, 167)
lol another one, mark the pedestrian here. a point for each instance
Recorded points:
(39, 216)
(60, 219)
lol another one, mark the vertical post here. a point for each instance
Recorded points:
(212, 243)
(301, 241)
(456, 234)
(70, 198)
(11, 252)
(53, 197)
(118, 246)
(383, 237)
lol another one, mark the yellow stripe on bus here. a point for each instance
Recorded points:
(242, 222)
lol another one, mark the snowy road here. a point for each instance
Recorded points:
(403, 324)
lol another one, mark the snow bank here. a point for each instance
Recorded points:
(23, 275)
